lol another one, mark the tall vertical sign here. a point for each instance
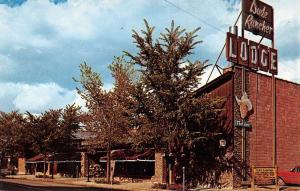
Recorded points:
(257, 18)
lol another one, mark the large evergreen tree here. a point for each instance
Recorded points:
(173, 116)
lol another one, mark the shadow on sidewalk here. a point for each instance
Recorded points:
(34, 186)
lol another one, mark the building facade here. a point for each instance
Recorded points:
(265, 145)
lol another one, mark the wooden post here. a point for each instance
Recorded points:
(45, 158)
(113, 165)
(52, 175)
(253, 179)
(276, 179)
(170, 174)
(88, 168)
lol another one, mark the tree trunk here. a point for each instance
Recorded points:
(45, 156)
(108, 165)
(52, 174)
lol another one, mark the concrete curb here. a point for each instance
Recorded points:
(80, 182)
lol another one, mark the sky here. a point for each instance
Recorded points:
(42, 42)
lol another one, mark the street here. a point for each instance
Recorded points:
(28, 185)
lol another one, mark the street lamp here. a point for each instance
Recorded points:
(183, 178)
(222, 143)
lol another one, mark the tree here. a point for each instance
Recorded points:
(174, 117)
(53, 130)
(107, 115)
(70, 121)
(43, 131)
(13, 136)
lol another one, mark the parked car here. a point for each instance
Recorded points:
(289, 177)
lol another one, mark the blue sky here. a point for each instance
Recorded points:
(43, 42)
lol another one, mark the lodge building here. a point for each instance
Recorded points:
(272, 126)
(266, 144)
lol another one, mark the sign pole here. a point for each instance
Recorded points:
(243, 128)
(274, 121)
(258, 18)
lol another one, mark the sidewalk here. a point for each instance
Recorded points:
(139, 186)
(128, 186)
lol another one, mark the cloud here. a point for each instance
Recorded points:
(208, 72)
(43, 42)
(290, 70)
(41, 36)
(80, 102)
(36, 97)
(7, 66)
(39, 97)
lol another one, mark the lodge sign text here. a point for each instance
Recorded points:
(247, 53)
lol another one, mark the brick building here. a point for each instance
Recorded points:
(261, 146)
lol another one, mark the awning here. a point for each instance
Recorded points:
(72, 157)
(130, 156)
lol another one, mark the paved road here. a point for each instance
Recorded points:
(27, 185)
(30, 185)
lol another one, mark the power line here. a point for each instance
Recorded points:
(216, 63)
(193, 15)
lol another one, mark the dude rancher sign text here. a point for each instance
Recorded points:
(258, 18)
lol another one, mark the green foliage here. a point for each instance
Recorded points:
(104, 116)
(53, 130)
(171, 115)
(108, 111)
(92, 86)
(23, 135)
(158, 106)
(70, 123)
(168, 80)
(13, 139)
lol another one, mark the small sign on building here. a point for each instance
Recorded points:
(264, 176)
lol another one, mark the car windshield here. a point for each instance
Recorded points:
(296, 169)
